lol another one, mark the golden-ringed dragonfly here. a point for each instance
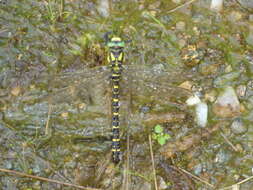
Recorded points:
(79, 99)
(115, 59)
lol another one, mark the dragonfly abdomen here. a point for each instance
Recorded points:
(115, 120)
(116, 57)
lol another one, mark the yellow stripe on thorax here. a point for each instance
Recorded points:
(115, 150)
(121, 57)
(115, 113)
(112, 57)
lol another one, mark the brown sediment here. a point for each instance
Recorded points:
(181, 145)
(164, 118)
(178, 179)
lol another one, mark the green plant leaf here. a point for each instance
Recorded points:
(161, 140)
(167, 136)
(154, 136)
(158, 129)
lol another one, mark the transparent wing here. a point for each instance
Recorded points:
(73, 82)
(80, 101)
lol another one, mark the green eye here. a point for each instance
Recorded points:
(121, 44)
(116, 44)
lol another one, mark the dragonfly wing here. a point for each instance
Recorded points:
(156, 85)
(66, 87)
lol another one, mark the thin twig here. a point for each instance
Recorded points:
(48, 117)
(198, 178)
(126, 172)
(34, 155)
(46, 179)
(127, 164)
(152, 159)
(239, 183)
(229, 142)
(245, 180)
(245, 8)
(4, 30)
(180, 6)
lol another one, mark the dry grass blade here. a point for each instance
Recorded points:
(197, 178)
(46, 179)
(48, 118)
(229, 142)
(152, 159)
(235, 187)
(126, 173)
(237, 184)
(180, 6)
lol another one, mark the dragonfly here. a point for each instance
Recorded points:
(97, 102)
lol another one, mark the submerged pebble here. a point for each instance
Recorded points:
(103, 8)
(144, 186)
(15, 91)
(145, 109)
(193, 100)
(198, 169)
(201, 110)
(216, 5)
(180, 25)
(249, 38)
(161, 183)
(249, 103)
(176, 1)
(208, 68)
(247, 3)
(241, 91)
(15, 116)
(234, 16)
(222, 156)
(238, 127)
(227, 104)
(201, 114)
(186, 85)
(251, 17)
(211, 96)
(249, 91)
(226, 78)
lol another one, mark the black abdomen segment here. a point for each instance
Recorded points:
(116, 153)
(115, 122)
(115, 58)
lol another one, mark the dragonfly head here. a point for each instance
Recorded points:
(116, 42)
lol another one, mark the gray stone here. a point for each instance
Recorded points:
(222, 156)
(216, 5)
(238, 127)
(251, 17)
(241, 91)
(226, 78)
(161, 183)
(180, 25)
(103, 8)
(247, 3)
(227, 104)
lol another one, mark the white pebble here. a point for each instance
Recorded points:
(193, 100)
(201, 114)
(216, 5)
(103, 8)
